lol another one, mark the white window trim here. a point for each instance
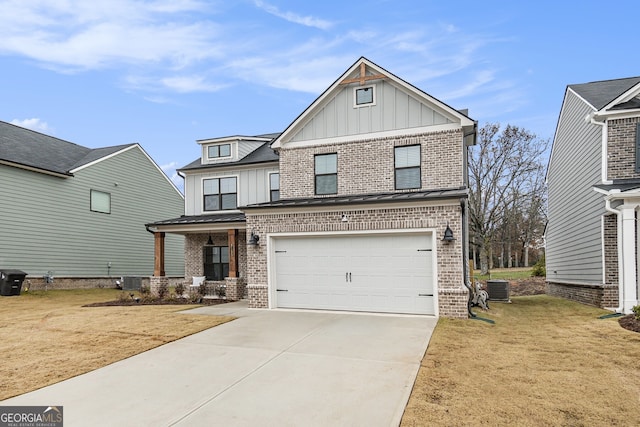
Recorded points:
(232, 148)
(269, 184)
(91, 206)
(201, 191)
(355, 99)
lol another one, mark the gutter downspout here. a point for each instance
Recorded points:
(465, 252)
(608, 208)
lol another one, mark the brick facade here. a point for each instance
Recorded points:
(194, 256)
(621, 148)
(451, 292)
(366, 166)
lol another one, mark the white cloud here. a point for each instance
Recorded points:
(77, 35)
(308, 21)
(33, 124)
(170, 170)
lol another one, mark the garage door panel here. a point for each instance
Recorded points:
(380, 273)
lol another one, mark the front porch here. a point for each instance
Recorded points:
(215, 254)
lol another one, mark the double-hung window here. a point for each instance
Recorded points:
(220, 194)
(407, 167)
(274, 187)
(216, 262)
(326, 173)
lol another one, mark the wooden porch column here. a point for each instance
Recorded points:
(232, 235)
(158, 258)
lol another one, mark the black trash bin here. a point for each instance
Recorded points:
(11, 282)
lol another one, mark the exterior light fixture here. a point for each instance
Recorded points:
(210, 242)
(448, 235)
(253, 240)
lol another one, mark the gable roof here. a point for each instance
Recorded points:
(34, 150)
(354, 74)
(602, 93)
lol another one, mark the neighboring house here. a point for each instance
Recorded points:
(79, 213)
(594, 195)
(344, 210)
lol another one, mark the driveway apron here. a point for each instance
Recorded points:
(266, 368)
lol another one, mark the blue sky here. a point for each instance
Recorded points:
(165, 73)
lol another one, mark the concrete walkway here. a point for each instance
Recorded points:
(267, 368)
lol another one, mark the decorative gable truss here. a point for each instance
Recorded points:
(368, 100)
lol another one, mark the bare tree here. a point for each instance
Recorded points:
(502, 168)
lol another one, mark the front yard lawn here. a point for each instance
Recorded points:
(546, 361)
(48, 336)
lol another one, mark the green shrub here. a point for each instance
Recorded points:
(636, 310)
(540, 268)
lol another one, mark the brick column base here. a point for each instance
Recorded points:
(234, 288)
(258, 296)
(156, 282)
(454, 303)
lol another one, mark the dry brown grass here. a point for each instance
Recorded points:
(546, 361)
(48, 336)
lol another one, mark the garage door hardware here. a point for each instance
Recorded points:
(424, 250)
(425, 295)
(281, 252)
(282, 290)
(347, 277)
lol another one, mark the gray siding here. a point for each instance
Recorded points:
(395, 109)
(574, 231)
(253, 186)
(47, 223)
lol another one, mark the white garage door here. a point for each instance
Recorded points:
(390, 273)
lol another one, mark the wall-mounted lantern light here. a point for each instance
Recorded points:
(448, 235)
(253, 240)
(209, 242)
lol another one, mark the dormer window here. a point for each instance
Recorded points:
(219, 151)
(364, 96)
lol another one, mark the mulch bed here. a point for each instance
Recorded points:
(630, 322)
(157, 301)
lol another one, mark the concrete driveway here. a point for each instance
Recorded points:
(267, 368)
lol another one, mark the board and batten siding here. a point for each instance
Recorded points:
(394, 109)
(574, 230)
(252, 186)
(47, 224)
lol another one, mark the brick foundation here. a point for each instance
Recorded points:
(38, 283)
(602, 296)
(156, 282)
(234, 288)
(454, 303)
(258, 296)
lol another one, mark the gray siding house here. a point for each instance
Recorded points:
(80, 213)
(347, 209)
(594, 193)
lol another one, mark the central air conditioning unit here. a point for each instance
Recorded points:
(131, 283)
(498, 290)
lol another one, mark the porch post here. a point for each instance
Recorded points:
(158, 264)
(232, 235)
(628, 277)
